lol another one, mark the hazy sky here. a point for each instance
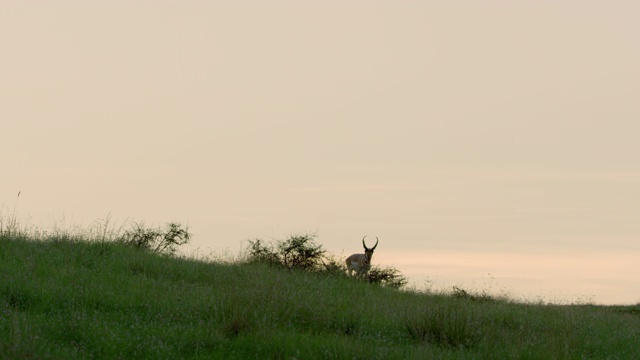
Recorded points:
(461, 133)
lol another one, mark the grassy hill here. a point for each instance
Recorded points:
(66, 299)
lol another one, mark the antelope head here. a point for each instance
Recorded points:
(361, 263)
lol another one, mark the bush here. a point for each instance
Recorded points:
(301, 252)
(298, 252)
(333, 266)
(388, 276)
(156, 240)
(263, 253)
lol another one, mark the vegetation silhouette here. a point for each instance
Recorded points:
(301, 252)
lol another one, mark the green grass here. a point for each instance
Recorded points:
(66, 299)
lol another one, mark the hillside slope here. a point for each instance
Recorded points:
(69, 299)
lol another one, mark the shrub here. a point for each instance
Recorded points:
(297, 252)
(263, 253)
(301, 252)
(333, 266)
(156, 239)
(388, 276)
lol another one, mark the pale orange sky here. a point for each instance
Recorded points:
(471, 128)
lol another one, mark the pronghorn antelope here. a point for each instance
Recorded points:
(361, 263)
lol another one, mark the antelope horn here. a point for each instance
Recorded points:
(374, 246)
(363, 244)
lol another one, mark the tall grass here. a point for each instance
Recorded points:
(63, 297)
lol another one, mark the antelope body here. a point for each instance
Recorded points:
(361, 263)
